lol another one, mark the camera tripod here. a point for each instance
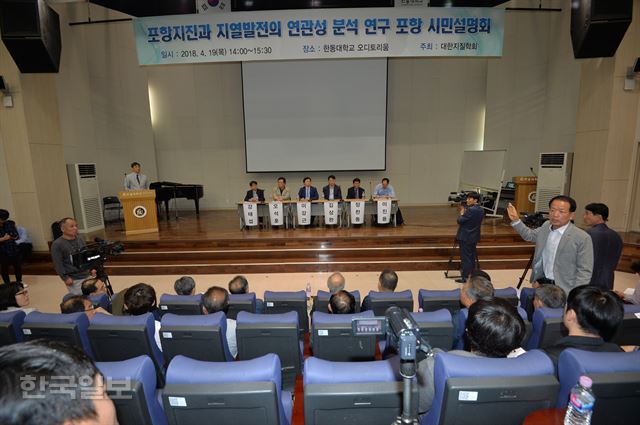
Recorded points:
(450, 262)
(102, 275)
(526, 269)
(408, 373)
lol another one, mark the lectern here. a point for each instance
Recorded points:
(525, 198)
(139, 208)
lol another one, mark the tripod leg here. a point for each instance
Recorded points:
(450, 262)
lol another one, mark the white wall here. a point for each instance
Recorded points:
(103, 97)
(532, 91)
(437, 108)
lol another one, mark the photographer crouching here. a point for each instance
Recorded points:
(469, 221)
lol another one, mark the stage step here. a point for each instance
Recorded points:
(280, 256)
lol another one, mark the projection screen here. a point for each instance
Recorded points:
(315, 115)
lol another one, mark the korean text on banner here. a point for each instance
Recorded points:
(320, 34)
(250, 214)
(276, 213)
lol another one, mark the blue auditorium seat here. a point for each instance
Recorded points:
(69, 328)
(486, 390)
(202, 337)
(381, 301)
(351, 393)
(181, 304)
(236, 393)
(509, 294)
(616, 383)
(131, 384)
(11, 327)
(260, 334)
(433, 300)
(117, 338)
(284, 302)
(435, 326)
(241, 302)
(547, 327)
(332, 339)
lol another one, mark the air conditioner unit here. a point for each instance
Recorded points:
(85, 197)
(554, 177)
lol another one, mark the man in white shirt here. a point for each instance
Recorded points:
(134, 180)
(217, 299)
(564, 253)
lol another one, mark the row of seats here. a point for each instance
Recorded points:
(467, 390)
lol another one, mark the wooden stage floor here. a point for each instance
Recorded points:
(214, 244)
(437, 221)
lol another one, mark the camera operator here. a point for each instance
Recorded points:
(61, 250)
(468, 235)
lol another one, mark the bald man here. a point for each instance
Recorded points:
(336, 283)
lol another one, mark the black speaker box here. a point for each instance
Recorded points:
(598, 26)
(31, 32)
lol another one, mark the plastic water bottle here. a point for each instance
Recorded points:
(581, 402)
(308, 290)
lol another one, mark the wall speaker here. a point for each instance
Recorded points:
(598, 26)
(31, 32)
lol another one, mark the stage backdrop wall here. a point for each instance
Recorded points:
(184, 123)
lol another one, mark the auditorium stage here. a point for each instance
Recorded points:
(214, 244)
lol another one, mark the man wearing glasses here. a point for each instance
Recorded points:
(564, 253)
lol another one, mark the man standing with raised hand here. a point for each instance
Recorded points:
(564, 253)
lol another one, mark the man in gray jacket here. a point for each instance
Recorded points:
(61, 250)
(564, 253)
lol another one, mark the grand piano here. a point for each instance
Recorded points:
(165, 191)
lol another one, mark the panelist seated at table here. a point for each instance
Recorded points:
(254, 194)
(308, 192)
(281, 191)
(332, 191)
(355, 191)
(384, 190)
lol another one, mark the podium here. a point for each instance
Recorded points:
(139, 207)
(525, 198)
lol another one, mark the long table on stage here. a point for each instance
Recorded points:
(317, 210)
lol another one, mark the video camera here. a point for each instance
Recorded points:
(534, 220)
(459, 197)
(403, 335)
(400, 328)
(94, 255)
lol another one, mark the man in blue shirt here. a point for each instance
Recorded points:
(384, 190)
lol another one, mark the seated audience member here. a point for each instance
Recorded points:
(332, 190)
(342, 302)
(335, 283)
(217, 299)
(185, 286)
(355, 191)
(81, 304)
(549, 296)
(632, 296)
(494, 329)
(592, 317)
(33, 376)
(240, 285)
(475, 288)
(15, 296)
(387, 282)
(254, 194)
(93, 286)
(141, 299)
